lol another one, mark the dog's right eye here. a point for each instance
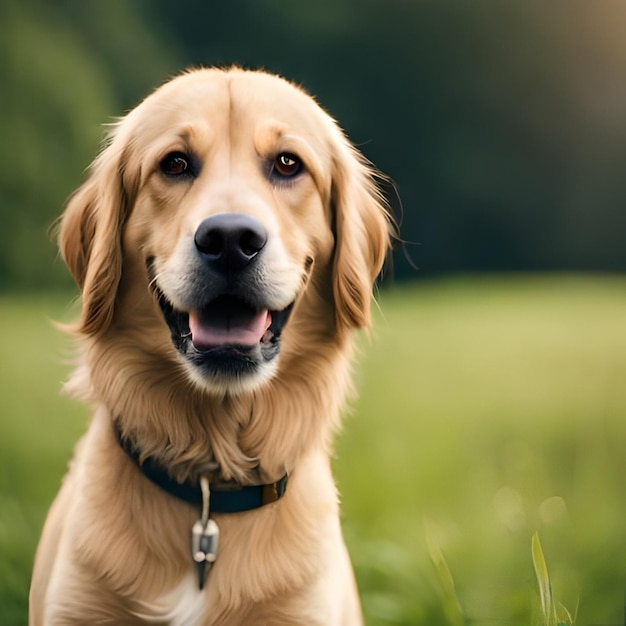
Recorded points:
(175, 164)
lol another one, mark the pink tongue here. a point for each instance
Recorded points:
(248, 332)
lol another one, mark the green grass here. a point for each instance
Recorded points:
(553, 612)
(489, 409)
(38, 429)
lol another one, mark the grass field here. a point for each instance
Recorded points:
(490, 408)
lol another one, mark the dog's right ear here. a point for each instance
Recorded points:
(90, 237)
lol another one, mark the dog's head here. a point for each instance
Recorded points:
(224, 208)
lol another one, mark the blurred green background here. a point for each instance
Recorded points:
(492, 397)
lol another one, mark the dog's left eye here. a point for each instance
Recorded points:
(175, 164)
(287, 165)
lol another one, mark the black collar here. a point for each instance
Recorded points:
(231, 500)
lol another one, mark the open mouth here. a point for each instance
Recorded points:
(227, 335)
(228, 322)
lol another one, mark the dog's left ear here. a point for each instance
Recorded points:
(363, 228)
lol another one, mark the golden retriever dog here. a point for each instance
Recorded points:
(226, 244)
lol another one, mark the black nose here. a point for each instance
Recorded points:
(230, 241)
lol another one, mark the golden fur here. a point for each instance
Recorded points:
(115, 548)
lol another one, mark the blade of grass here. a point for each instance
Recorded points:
(554, 612)
(451, 604)
(563, 616)
(543, 580)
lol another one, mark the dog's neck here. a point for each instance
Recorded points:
(226, 496)
(252, 437)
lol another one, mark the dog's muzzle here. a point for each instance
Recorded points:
(229, 330)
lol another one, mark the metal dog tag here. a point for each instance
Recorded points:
(204, 535)
(204, 541)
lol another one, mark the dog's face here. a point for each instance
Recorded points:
(231, 219)
(225, 204)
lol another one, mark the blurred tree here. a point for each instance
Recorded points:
(46, 124)
(503, 124)
(66, 69)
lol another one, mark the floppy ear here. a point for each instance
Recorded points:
(362, 236)
(90, 239)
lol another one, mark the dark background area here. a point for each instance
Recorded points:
(503, 124)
